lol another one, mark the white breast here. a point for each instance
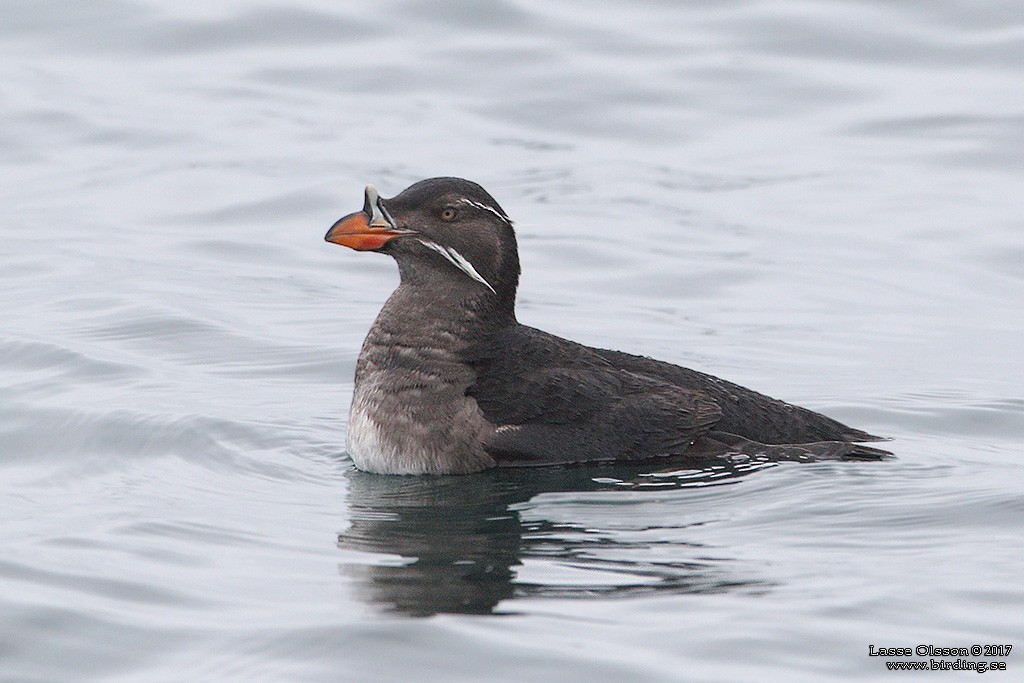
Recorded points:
(372, 450)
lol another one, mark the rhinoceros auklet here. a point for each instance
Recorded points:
(449, 382)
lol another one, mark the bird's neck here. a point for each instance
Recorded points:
(441, 291)
(456, 317)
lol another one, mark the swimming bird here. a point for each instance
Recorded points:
(449, 382)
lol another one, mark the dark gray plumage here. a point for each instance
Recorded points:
(449, 382)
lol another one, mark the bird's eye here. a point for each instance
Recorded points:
(448, 214)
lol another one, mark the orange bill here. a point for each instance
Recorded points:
(355, 232)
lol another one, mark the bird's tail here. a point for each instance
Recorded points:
(724, 444)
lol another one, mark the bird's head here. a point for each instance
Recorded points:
(446, 233)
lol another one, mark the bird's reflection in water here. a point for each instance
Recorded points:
(454, 544)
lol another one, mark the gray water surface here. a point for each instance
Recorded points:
(819, 200)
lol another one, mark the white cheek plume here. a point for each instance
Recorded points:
(459, 261)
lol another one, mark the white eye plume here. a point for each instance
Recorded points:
(470, 202)
(459, 261)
